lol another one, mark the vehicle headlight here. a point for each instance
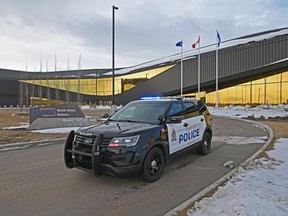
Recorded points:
(124, 141)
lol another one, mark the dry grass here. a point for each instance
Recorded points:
(14, 118)
(280, 127)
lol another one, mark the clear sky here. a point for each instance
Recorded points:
(36, 32)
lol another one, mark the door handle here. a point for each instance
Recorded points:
(201, 119)
(186, 124)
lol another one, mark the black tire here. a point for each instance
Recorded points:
(205, 146)
(153, 165)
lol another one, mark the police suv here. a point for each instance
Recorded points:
(140, 138)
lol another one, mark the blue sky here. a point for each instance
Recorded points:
(35, 31)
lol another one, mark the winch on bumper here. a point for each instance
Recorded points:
(92, 153)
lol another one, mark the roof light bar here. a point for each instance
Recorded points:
(158, 97)
(151, 98)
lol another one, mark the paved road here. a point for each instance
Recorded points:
(35, 181)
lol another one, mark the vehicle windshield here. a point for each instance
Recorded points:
(141, 111)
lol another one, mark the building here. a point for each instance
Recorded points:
(252, 70)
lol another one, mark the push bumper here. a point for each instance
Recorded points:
(96, 164)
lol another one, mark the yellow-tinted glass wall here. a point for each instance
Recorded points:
(269, 90)
(100, 86)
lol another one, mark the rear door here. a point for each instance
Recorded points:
(187, 132)
(197, 123)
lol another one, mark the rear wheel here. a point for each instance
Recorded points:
(153, 165)
(205, 146)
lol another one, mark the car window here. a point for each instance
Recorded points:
(191, 109)
(201, 106)
(146, 112)
(176, 109)
(127, 113)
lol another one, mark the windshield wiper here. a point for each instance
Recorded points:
(126, 120)
(118, 126)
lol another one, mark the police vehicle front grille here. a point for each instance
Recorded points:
(84, 143)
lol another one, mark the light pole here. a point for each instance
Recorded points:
(113, 52)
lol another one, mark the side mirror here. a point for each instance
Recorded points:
(106, 115)
(161, 119)
(175, 119)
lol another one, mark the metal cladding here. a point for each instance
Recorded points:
(241, 60)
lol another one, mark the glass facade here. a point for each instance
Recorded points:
(269, 90)
(101, 86)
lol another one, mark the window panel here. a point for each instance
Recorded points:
(285, 76)
(285, 92)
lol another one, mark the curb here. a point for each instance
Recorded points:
(214, 185)
(15, 146)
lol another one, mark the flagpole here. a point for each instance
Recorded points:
(181, 70)
(199, 68)
(180, 43)
(217, 96)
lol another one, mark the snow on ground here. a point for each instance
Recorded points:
(52, 130)
(266, 111)
(56, 130)
(261, 188)
(236, 140)
(24, 126)
(99, 107)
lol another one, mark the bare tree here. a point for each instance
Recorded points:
(22, 91)
(40, 69)
(55, 61)
(47, 81)
(79, 85)
(68, 63)
(27, 88)
(56, 83)
(66, 82)
(33, 86)
(20, 94)
(39, 80)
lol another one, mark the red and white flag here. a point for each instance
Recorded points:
(198, 41)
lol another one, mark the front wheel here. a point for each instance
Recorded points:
(205, 146)
(153, 165)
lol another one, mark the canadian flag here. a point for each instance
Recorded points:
(198, 41)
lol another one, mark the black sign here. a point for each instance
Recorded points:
(58, 111)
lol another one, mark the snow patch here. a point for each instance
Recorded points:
(260, 188)
(56, 130)
(263, 111)
(237, 140)
(229, 164)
